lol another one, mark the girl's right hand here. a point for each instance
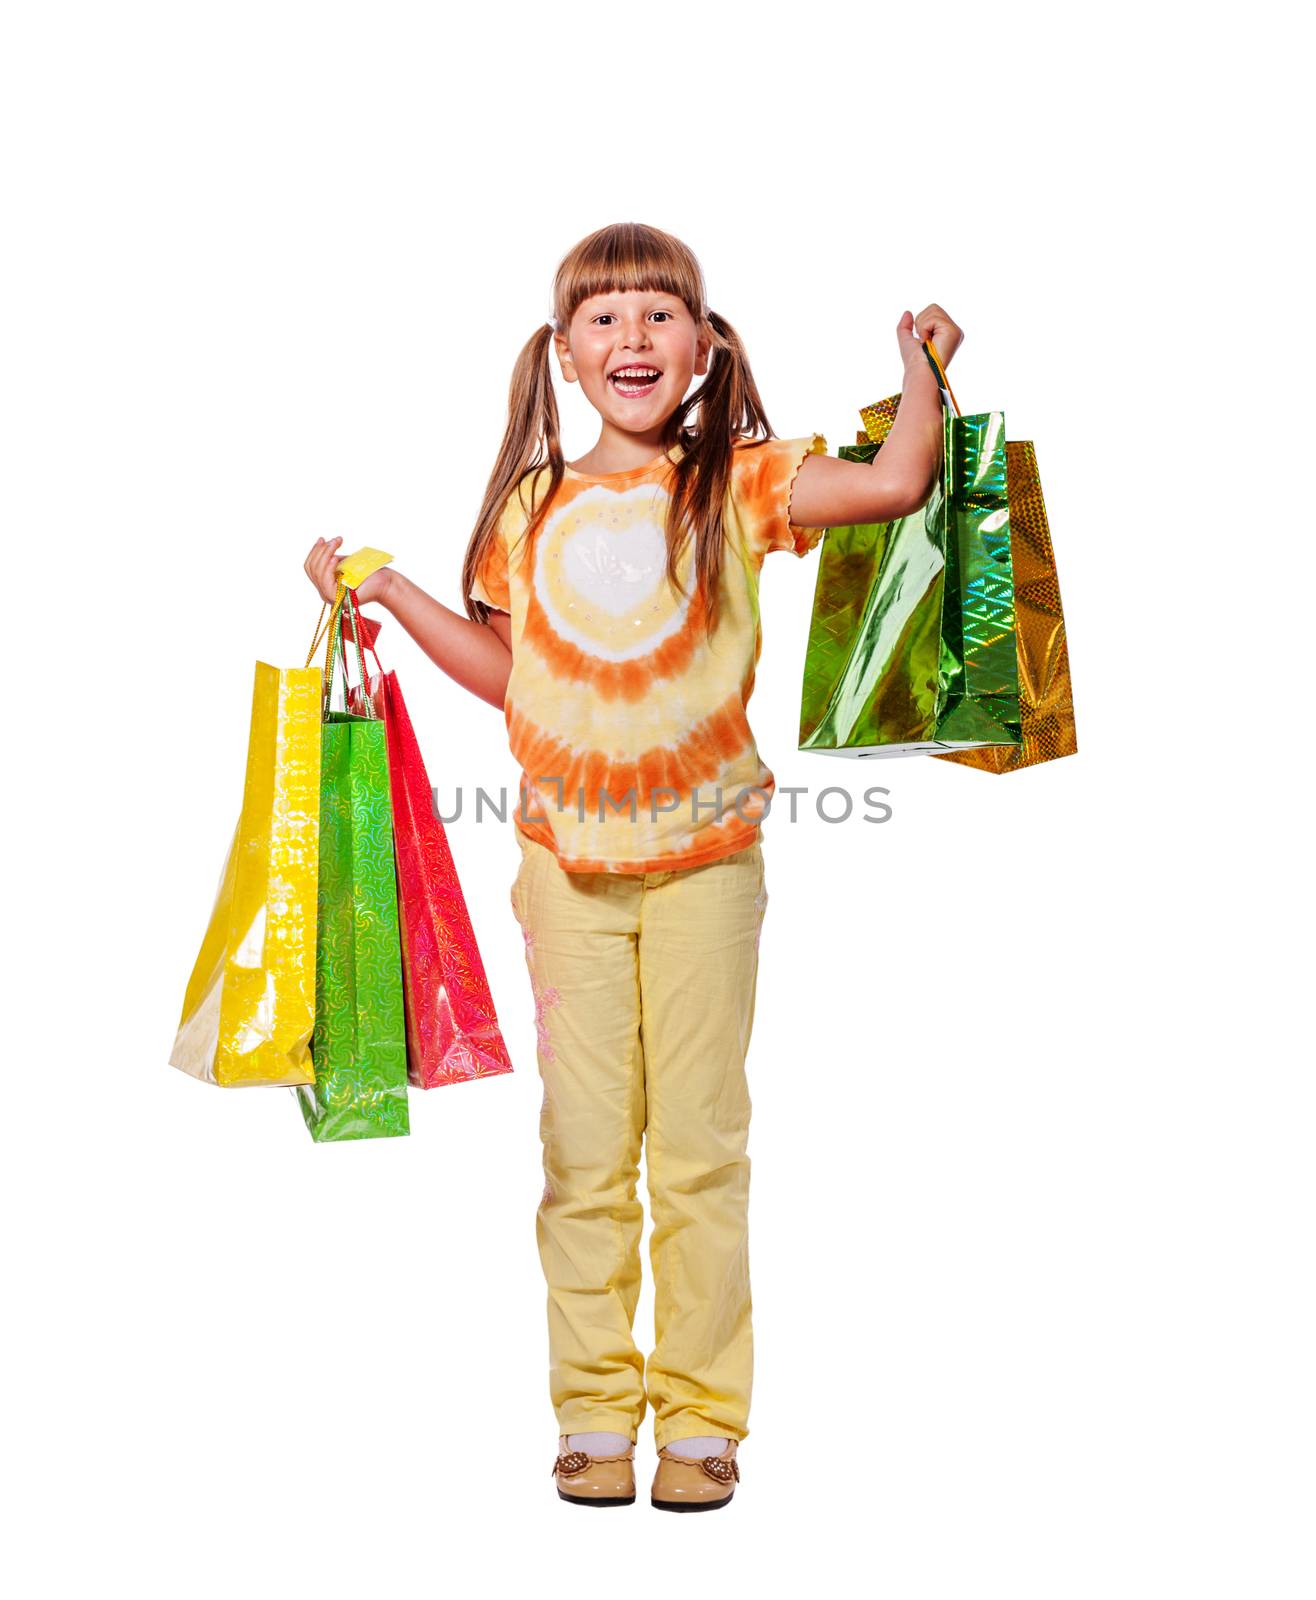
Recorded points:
(322, 569)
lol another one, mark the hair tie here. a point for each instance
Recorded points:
(552, 324)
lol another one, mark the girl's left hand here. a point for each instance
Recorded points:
(934, 323)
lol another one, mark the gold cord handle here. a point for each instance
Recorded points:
(930, 350)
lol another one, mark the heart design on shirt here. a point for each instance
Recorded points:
(615, 571)
(601, 573)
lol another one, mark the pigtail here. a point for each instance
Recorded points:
(729, 410)
(530, 443)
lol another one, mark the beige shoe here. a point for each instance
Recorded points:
(588, 1480)
(686, 1483)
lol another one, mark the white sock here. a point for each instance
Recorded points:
(698, 1448)
(599, 1444)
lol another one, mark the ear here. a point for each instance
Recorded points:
(703, 349)
(565, 362)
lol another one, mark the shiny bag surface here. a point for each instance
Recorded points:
(359, 1045)
(453, 1034)
(249, 1008)
(911, 643)
(1046, 692)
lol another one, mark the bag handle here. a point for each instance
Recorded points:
(351, 614)
(359, 628)
(336, 644)
(930, 351)
(335, 652)
(321, 632)
(319, 626)
(348, 614)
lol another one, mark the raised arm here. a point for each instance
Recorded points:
(829, 493)
(476, 655)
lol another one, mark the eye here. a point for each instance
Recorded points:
(605, 316)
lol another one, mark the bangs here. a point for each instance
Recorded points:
(629, 256)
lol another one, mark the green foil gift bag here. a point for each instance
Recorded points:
(359, 1045)
(1046, 691)
(911, 641)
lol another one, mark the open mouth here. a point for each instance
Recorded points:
(635, 382)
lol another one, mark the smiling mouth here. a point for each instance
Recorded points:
(635, 382)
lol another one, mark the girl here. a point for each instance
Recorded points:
(612, 611)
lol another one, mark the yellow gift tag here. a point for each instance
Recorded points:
(353, 570)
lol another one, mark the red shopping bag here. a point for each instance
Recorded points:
(452, 1028)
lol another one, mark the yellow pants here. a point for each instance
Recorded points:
(644, 1001)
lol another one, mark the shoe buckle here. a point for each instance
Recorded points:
(569, 1464)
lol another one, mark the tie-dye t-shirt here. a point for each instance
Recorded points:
(628, 723)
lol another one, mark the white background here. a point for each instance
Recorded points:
(1031, 1226)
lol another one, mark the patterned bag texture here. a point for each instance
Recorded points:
(249, 1008)
(911, 643)
(359, 1044)
(453, 1034)
(1046, 692)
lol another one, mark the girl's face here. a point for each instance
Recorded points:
(618, 342)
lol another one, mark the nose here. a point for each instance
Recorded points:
(636, 335)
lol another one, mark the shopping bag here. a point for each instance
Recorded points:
(359, 1044)
(453, 1034)
(1046, 692)
(911, 640)
(249, 1008)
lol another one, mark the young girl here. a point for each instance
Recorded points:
(612, 611)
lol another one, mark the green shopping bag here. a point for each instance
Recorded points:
(911, 641)
(359, 1045)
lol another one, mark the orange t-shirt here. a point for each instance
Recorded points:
(629, 725)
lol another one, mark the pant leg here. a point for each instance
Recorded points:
(699, 936)
(581, 947)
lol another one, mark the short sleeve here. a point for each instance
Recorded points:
(764, 478)
(490, 582)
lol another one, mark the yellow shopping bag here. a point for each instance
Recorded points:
(249, 1012)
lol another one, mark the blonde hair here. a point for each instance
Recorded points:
(723, 410)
